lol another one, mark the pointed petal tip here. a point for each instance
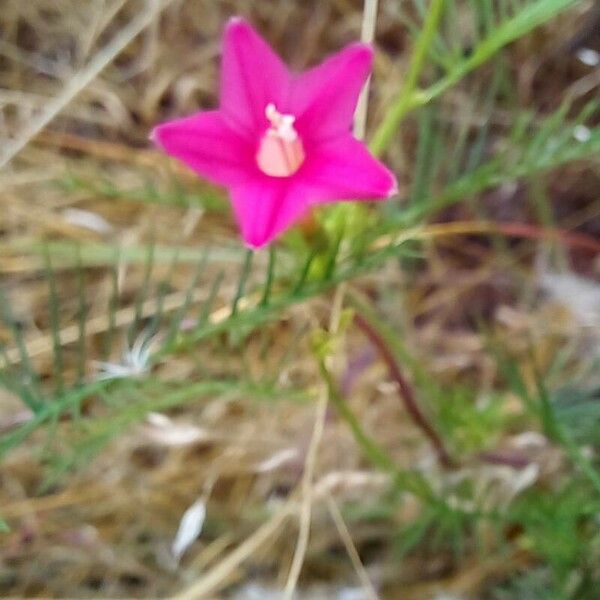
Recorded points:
(254, 240)
(255, 245)
(364, 48)
(362, 51)
(153, 136)
(237, 29)
(236, 23)
(393, 191)
(156, 138)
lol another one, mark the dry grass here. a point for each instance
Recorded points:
(76, 98)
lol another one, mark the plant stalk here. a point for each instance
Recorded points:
(372, 328)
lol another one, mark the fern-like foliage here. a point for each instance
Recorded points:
(117, 352)
(532, 146)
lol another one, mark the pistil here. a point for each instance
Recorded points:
(280, 152)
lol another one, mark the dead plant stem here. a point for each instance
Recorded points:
(372, 330)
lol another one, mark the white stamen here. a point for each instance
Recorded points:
(282, 126)
(280, 152)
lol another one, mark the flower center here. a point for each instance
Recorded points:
(280, 152)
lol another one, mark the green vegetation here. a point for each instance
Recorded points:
(185, 324)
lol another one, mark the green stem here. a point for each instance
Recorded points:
(406, 100)
(556, 431)
(242, 281)
(578, 458)
(370, 448)
(526, 19)
(411, 482)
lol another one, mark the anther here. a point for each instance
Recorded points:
(280, 153)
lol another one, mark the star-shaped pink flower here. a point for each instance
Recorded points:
(281, 142)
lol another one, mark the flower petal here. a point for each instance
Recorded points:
(266, 207)
(207, 144)
(252, 76)
(324, 98)
(343, 169)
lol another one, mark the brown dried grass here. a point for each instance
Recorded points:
(105, 531)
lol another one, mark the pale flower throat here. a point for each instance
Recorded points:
(280, 152)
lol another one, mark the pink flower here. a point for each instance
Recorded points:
(281, 142)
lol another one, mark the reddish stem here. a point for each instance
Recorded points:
(509, 459)
(405, 390)
(570, 238)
